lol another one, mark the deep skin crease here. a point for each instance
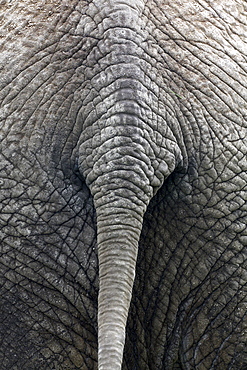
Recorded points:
(123, 191)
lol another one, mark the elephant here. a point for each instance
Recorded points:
(123, 184)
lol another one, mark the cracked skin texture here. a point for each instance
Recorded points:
(175, 73)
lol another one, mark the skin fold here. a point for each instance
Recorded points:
(123, 184)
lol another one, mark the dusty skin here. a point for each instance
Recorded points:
(123, 185)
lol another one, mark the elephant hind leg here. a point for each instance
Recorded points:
(214, 336)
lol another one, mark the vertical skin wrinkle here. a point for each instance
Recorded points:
(123, 184)
(124, 124)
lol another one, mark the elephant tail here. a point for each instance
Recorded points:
(119, 227)
(124, 157)
(121, 180)
(121, 193)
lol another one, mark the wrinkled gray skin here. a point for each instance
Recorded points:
(123, 131)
